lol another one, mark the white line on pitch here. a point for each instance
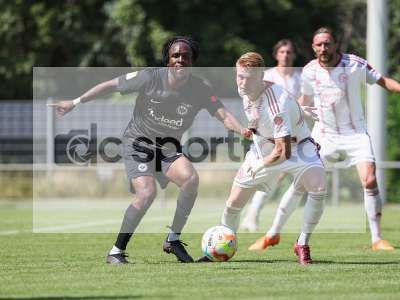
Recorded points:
(74, 226)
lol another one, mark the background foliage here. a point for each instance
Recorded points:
(131, 33)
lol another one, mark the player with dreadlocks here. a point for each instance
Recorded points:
(169, 99)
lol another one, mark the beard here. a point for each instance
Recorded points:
(326, 58)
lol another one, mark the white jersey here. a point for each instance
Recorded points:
(292, 84)
(337, 93)
(276, 114)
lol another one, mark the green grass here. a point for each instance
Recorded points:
(71, 266)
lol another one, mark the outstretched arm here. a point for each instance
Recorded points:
(230, 122)
(281, 152)
(389, 84)
(97, 91)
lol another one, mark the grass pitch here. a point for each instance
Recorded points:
(72, 266)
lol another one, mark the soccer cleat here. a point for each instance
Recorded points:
(203, 259)
(382, 245)
(177, 248)
(264, 242)
(115, 259)
(303, 254)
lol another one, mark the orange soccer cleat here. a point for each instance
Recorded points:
(303, 254)
(382, 245)
(264, 242)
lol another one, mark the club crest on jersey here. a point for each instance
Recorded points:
(182, 109)
(278, 121)
(343, 77)
(142, 167)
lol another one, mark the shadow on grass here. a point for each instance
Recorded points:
(73, 298)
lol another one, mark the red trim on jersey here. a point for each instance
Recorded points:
(273, 104)
(270, 106)
(361, 61)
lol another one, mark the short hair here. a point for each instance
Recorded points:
(251, 60)
(325, 30)
(194, 46)
(282, 43)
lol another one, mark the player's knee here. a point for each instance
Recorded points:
(145, 197)
(369, 181)
(191, 183)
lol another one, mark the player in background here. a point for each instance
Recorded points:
(282, 144)
(169, 99)
(333, 83)
(289, 78)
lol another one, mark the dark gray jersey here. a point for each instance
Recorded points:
(161, 111)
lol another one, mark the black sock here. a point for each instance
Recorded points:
(131, 220)
(184, 206)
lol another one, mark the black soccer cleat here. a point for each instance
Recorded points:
(203, 259)
(177, 248)
(116, 259)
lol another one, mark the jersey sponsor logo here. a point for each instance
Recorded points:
(162, 120)
(142, 167)
(130, 75)
(182, 109)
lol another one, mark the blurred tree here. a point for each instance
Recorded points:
(131, 32)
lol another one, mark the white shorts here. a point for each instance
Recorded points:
(343, 151)
(304, 156)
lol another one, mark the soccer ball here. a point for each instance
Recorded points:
(219, 243)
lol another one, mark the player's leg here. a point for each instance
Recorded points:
(290, 200)
(373, 204)
(234, 205)
(145, 189)
(314, 182)
(183, 174)
(251, 218)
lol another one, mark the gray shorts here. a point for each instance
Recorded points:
(138, 163)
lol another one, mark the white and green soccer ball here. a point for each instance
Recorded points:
(219, 243)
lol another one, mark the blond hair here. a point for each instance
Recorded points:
(250, 60)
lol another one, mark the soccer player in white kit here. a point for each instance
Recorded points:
(283, 145)
(332, 81)
(289, 79)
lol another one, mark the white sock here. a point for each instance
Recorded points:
(312, 214)
(303, 239)
(258, 201)
(115, 250)
(231, 217)
(373, 207)
(290, 200)
(172, 236)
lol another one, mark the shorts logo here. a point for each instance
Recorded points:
(182, 110)
(142, 167)
(154, 101)
(278, 121)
